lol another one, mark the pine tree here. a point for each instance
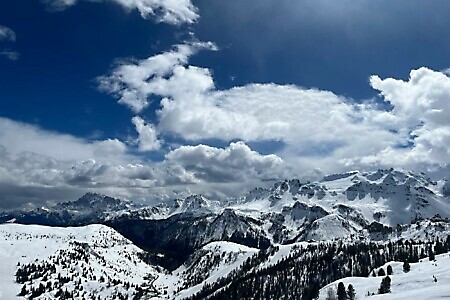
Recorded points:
(381, 272)
(385, 286)
(341, 293)
(389, 270)
(351, 293)
(406, 267)
(315, 291)
(24, 291)
(431, 255)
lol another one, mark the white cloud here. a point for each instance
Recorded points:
(311, 123)
(59, 4)
(167, 11)
(7, 34)
(235, 163)
(423, 98)
(133, 83)
(20, 138)
(38, 166)
(147, 135)
(320, 130)
(421, 112)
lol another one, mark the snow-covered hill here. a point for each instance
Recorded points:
(207, 265)
(96, 262)
(426, 280)
(91, 262)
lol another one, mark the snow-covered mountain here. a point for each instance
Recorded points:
(195, 205)
(192, 246)
(388, 196)
(90, 208)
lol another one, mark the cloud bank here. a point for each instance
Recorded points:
(421, 113)
(318, 128)
(406, 126)
(320, 131)
(39, 166)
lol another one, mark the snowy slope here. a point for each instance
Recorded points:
(78, 253)
(212, 262)
(419, 283)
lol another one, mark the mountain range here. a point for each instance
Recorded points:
(186, 246)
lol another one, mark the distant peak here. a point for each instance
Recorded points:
(338, 176)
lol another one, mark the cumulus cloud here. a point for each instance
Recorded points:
(311, 123)
(320, 130)
(133, 83)
(166, 11)
(233, 163)
(420, 113)
(147, 135)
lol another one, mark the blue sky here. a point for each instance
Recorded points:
(230, 95)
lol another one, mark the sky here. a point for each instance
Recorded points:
(150, 100)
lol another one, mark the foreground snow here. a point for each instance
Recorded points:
(109, 255)
(418, 284)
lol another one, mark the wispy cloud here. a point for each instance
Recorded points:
(8, 35)
(12, 55)
(166, 11)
